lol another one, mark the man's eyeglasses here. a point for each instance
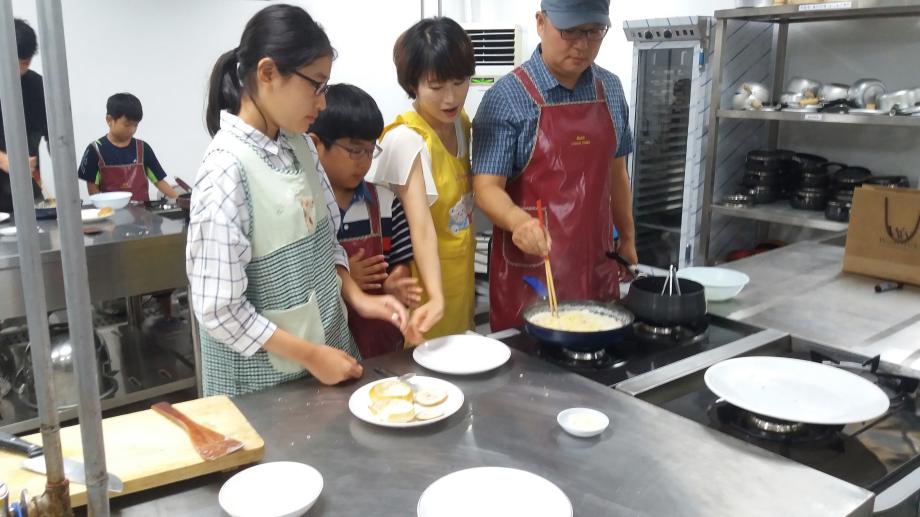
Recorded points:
(320, 88)
(593, 34)
(357, 154)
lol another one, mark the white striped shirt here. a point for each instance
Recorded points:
(218, 249)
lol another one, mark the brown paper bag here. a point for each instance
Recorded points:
(883, 239)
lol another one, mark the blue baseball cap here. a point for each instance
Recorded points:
(566, 14)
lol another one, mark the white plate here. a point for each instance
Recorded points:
(463, 354)
(4, 217)
(91, 215)
(796, 391)
(360, 401)
(10, 231)
(582, 422)
(277, 489)
(493, 492)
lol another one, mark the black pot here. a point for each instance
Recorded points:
(766, 159)
(809, 162)
(760, 178)
(645, 300)
(844, 196)
(762, 195)
(888, 181)
(808, 198)
(851, 177)
(837, 211)
(814, 179)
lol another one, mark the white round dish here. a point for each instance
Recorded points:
(493, 492)
(10, 231)
(582, 422)
(719, 283)
(360, 401)
(91, 215)
(462, 354)
(4, 217)
(276, 489)
(113, 200)
(796, 391)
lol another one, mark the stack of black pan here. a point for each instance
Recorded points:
(769, 175)
(811, 191)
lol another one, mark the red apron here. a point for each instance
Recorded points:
(569, 169)
(374, 337)
(124, 178)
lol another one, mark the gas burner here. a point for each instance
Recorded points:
(580, 360)
(773, 426)
(746, 424)
(656, 335)
(896, 387)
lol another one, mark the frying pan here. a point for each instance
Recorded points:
(578, 341)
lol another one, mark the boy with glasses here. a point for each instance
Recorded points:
(555, 130)
(373, 230)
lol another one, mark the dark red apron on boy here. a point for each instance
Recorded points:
(124, 178)
(374, 337)
(569, 169)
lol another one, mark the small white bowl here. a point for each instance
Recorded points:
(719, 283)
(583, 422)
(113, 200)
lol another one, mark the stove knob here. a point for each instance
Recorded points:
(667, 34)
(648, 34)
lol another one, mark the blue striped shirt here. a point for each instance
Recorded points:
(505, 125)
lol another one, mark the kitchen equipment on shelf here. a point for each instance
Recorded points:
(719, 283)
(751, 96)
(762, 195)
(738, 201)
(833, 92)
(837, 210)
(666, 300)
(809, 198)
(573, 340)
(803, 86)
(866, 92)
(210, 444)
(794, 390)
(760, 178)
(275, 489)
(62, 370)
(851, 177)
(899, 102)
(113, 200)
(463, 354)
(888, 181)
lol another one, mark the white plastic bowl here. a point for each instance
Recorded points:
(583, 422)
(113, 200)
(720, 284)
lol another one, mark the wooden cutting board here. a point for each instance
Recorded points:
(146, 450)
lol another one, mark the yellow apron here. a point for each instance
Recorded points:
(452, 214)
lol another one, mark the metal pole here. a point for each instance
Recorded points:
(712, 144)
(73, 253)
(30, 262)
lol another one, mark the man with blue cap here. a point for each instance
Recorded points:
(555, 131)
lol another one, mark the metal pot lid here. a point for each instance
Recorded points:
(796, 391)
(811, 193)
(809, 158)
(888, 181)
(852, 175)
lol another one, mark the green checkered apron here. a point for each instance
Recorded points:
(291, 278)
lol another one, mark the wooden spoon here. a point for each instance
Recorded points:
(209, 444)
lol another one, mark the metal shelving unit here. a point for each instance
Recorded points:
(783, 16)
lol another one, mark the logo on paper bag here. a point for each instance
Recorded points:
(900, 234)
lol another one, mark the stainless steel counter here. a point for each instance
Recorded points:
(648, 463)
(137, 252)
(800, 289)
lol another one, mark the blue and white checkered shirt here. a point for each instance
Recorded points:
(505, 126)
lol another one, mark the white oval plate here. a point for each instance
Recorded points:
(10, 231)
(91, 215)
(360, 401)
(493, 492)
(4, 217)
(796, 391)
(276, 489)
(462, 354)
